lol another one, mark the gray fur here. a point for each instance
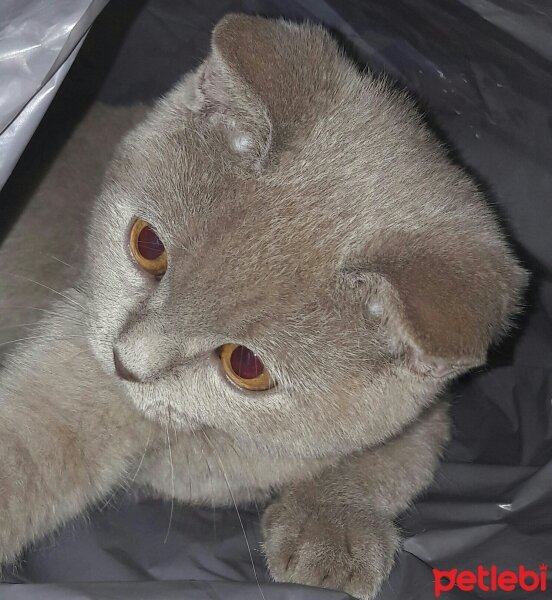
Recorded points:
(308, 214)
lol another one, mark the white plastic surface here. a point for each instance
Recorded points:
(39, 40)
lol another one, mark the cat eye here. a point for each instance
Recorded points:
(147, 248)
(244, 368)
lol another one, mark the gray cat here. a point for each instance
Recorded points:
(281, 273)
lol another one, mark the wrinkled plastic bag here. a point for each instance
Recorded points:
(39, 40)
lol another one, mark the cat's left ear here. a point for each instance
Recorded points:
(263, 79)
(227, 90)
(441, 303)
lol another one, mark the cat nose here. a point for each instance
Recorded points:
(142, 354)
(121, 370)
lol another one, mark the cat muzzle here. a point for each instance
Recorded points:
(122, 371)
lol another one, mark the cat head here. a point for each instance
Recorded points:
(307, 214)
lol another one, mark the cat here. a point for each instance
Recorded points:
(280, 275)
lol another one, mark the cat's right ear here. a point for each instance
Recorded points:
(440, 301)
(225, 97)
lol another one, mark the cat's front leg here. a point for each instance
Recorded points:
(67, 437)
(317, 542)
(337, 531)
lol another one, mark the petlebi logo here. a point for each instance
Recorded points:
(490, 579)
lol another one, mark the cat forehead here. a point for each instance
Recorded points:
(190, 179)
(363, 163)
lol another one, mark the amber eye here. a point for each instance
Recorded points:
(244, 368)
(147, 248)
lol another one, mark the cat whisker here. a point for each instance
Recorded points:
(211, 479)
(107, 502)
(257, 510)
(133, 479)
(242, 457)
(172, 485)
(44, 310)
(223, 471)
(72, 357)
(126, 484)
(51, 289)
(42, 337)
(61, 261)
(213, 503)
(210, 476)
(15, 325)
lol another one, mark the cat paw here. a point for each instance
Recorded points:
(321, 545)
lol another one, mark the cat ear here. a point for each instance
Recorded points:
(441, 303)
(263, 79)
(227, 90)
